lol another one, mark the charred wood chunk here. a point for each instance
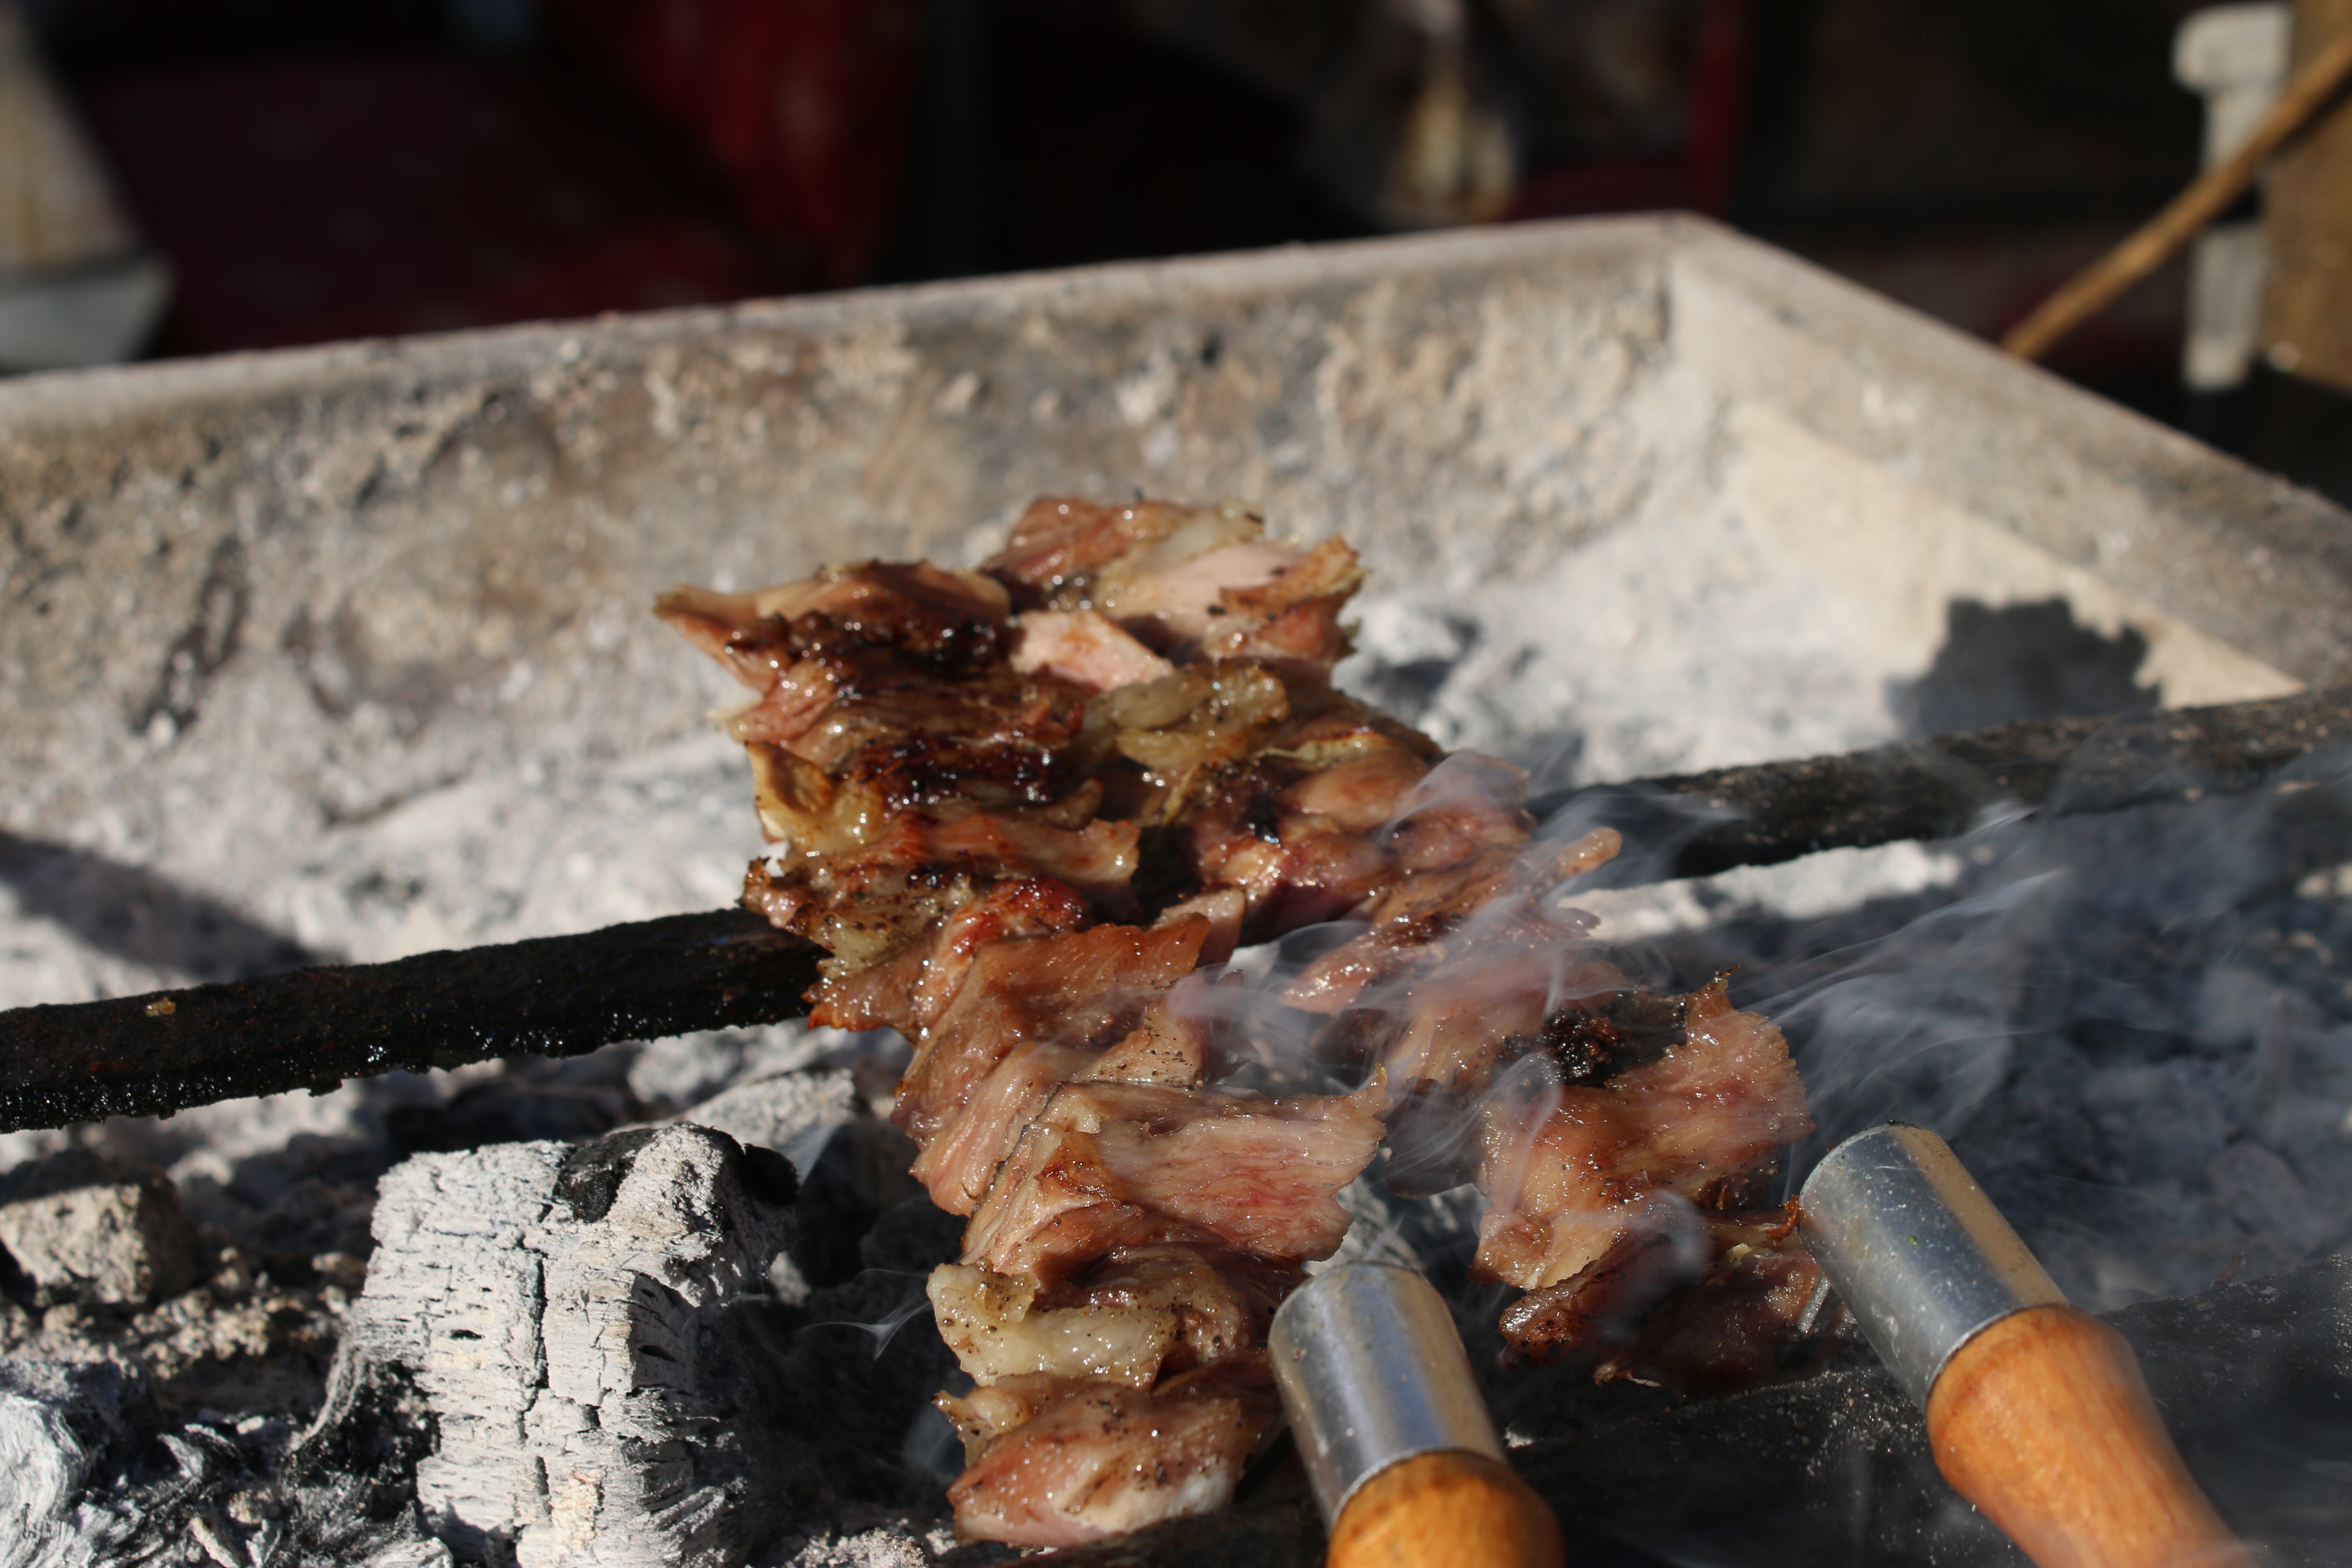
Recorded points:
(571, 1319)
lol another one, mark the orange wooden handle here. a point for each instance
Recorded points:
(1450, 1509)
(2044, 1422)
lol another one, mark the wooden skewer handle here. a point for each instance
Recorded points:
(2044, 1422)
(1448, 1509)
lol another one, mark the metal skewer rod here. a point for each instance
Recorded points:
(312, 1028)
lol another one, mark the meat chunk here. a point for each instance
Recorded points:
(1138, 1315)
(1102, 1458)
(1573, 1169)
(1108, 1165)
(1085, 649)
(1710, 1305)
(1075, 988)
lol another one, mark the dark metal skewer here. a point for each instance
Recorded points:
(312, 1028)
(1700, 824)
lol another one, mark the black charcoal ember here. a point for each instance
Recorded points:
(1272, 1535)
(99, 1473)
(857, 1186)
(352, 1474)
(864, 1358)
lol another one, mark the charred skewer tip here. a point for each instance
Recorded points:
(1398, 1445)
(2037, 1411)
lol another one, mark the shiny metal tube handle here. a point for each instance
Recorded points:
(2037, 1411)
(1396, 1440)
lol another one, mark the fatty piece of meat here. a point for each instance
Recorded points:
(1571, 1170)
(1201, 582)
(1169, 1047)
(1717, 1303)
(1177, 591)
(913, 606)
(1290, 620)
(1494, 897)
(863, 907)
(1101, 1457)
(1085, 649)
(1108, 1165)
(866, 716)
(957, 1165)
(1458, 1022)
(1074, 988)
(1178, 729)
(1138, 1315)
(1061, 542)
(1754, 1319)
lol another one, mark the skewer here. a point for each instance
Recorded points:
(2207, 198)
(312, 1028)
(1702, 823)
(1399, 1447)
(2037, 1411)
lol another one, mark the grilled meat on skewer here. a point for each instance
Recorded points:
(1024, 808)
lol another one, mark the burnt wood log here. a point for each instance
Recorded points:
(312, 1028)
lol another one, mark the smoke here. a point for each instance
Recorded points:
(2135, 1029)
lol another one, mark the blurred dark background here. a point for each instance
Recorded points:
(312, 171)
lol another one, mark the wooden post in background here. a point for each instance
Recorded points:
(2307, 307)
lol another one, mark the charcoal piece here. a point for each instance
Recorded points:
(858, 1179)
(57, 1421)
(588, 1378)
(913, 1237)
(353, 1473)
(78, 1227)
(867, 1357)
(93, 1474)
(507, 1111)
(590, 1175)
(795, 1113)
(2253, 1379)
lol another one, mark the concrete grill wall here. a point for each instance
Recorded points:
(264, 615)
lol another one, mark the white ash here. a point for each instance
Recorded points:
(77, 1230)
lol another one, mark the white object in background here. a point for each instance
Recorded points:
(2236, 57)
(75, 287)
